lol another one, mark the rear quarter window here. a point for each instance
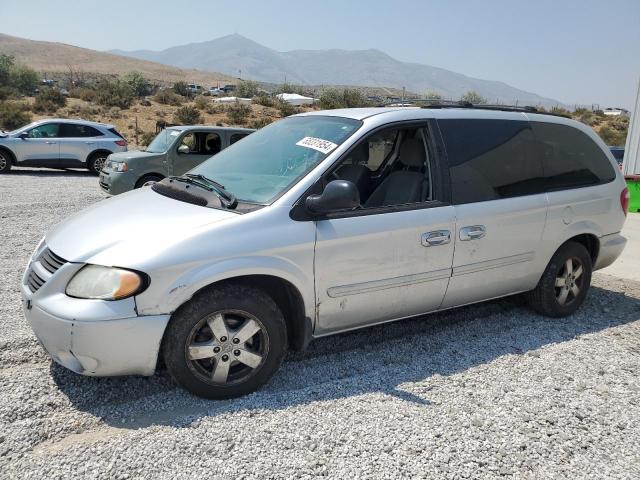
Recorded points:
(490, 159)
(570, 159)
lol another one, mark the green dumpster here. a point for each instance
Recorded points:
(633, 184)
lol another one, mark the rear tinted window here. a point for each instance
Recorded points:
(570, 158)
(491, 159)
(115, 132)
(71, 130)
(237, 136)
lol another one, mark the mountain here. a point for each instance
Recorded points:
(59, 57)
(233, 54)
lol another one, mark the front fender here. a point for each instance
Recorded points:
(191, 281)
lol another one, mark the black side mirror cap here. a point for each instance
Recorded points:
(23, 135)
(338, 195)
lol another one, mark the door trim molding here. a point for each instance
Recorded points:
(490, 264)
(376, 285)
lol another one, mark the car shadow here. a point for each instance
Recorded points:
(379, 359)
(47, 172)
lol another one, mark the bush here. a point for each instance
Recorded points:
(140, 86)
(237, 113)
(286, 108)
(187, 115)
(114, 93)
(17, 77)
(49, 100)
(347, 98)
(260, 122)
(612, 137)
(201, 102)
(168, 97)
(431, 95)
(247, 89)
(83, 93)
(13, 115)
(290, 88)
(181, 88)
(264, 100)
(473, 97)
(146, 138)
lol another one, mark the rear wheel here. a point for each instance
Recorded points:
(225, 343)
(148, 180)
(565, 282)
(5, 161)
(96, 162)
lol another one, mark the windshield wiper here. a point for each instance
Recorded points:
(227, 199)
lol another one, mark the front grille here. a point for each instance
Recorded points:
(104, 185)
(50, 262)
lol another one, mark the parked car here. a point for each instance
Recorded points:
(173, 151)
(618, 154)
(321, 223)
(216, 92)
(194, 89)
(60, 143)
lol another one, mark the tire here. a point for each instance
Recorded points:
(5, 161)
(226, 310)
(96, 162)
(152, 177)
(561, 290)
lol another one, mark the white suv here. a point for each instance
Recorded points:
(327, 222)
(60, 143)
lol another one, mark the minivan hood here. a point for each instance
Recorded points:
(132, 155)
(126, 229)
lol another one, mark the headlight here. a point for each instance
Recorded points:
(105, 283)
(119, 166)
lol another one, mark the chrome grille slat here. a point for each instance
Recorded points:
(46, 261)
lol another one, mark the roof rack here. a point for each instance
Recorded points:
(484, 106)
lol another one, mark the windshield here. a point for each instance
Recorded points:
(163, 141)
(269, 161)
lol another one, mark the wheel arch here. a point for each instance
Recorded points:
(12, 156)
(148, 174)
(95, 152)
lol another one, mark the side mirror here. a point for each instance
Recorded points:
(24, 135)
(183, 149)
(337, 195)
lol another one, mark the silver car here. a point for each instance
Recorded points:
(60, 143)
(322, 223)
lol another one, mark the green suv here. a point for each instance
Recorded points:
(174, 151)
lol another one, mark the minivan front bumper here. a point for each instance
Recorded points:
(115, 183)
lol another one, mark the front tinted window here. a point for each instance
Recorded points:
(163, 141)
(569, 157)
(267, 162)
(71, 130)
(491, 159)
(48, 130)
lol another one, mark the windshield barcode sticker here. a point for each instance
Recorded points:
(324, 146)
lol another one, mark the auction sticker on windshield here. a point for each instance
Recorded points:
(323, 146)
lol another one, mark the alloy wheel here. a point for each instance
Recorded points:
(3, 162)
(98, 163)
(227, 347)
(569, 281)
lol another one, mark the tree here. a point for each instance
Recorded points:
(140, 86)
(473, 97)
(17, 76)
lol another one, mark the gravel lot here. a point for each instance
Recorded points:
(480, 392)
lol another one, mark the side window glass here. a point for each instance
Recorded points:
(48, 130)
(236, 136)
(401, 158)
(569, 157)
(212, 143)
(189, 140)
(71, 130)
(491, 159)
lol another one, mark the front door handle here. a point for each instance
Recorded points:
(437, 237)
(51, 143)
(473, 232)
(90, 143)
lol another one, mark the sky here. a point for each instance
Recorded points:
(576, 51)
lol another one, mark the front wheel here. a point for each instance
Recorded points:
(147, 180)
(5, 162)
(564, 283)
(226, 342)
(96, 162)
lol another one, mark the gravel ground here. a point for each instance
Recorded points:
(486, 391)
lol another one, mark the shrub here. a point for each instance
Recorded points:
(187, 115)
(237, 113)
(290, 88)
(168, 97)
(260, 122)
(146, 138)
(473, 97)
(561, 111)
(181, 88)
(17, 76)
(140, 86)
(114, 93)
(49, 100)
(347, 98)
(83, 93)
(613, 137)
(201, 102)
(247, 89)
(264, 100)
(13, 115)
(5, 92)
(431, 95)
(286, 108)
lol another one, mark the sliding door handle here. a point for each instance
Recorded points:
(473, 232)
(437, 237)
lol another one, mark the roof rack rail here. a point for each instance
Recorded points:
(484, 106)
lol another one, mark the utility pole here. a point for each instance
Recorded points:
(403, 90)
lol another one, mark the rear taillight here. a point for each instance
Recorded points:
(122, 143)
(624, 200)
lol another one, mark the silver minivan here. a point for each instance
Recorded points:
(322, 223)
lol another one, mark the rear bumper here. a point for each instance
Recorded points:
(127, 346)
(611, 247)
